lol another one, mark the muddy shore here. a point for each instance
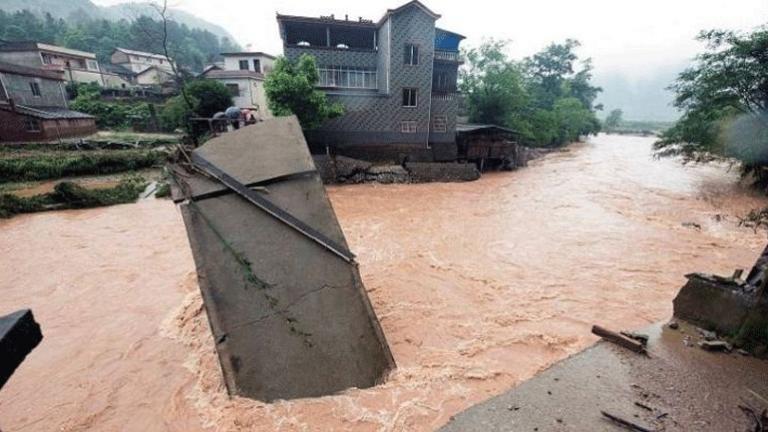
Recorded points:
(478, 286)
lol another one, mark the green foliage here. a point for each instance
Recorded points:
(724, 98)
(613, 120)
(542, 97)
(57, 165)
(190, 47)
(68, 195)
(290, 89)
(207, 97)
(109, 115)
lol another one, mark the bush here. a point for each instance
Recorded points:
(68, 195)
(109, 115)
(51, 166)
(207, 98)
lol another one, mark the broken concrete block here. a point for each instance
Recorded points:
(288, 311)
(712, 302)
(19, 335)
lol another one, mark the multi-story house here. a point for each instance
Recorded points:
(243, 73)
(78, 66)
(33, 106)
(147, 68)
(396, 79)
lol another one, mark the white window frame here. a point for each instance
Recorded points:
(440, 124)
(408, 126)
(412, 50)
(347, 77)
(415, 94)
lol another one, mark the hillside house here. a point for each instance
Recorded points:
(145, 68)
(33, 106)
(243, 73)
(77, 66)
(396, 78)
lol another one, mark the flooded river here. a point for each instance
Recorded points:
(478, 286)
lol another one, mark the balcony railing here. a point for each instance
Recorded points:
(347, 77)
(451, 56)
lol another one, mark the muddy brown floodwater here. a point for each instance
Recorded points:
(478, 286)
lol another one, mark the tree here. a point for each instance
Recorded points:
(204, 98)
(613, 120)
(724, 98)
(494, 86)
(543, 98)
(290, 89)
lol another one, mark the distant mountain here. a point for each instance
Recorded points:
(645, 99)
(79, 9)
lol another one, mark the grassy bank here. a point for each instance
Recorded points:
(68, 195)
(52, 165)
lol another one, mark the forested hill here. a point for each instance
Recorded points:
(95, 31)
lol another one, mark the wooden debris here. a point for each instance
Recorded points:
(643, 406)
(715, 346)
(618, 339)
(628, 425)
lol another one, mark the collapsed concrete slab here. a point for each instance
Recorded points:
(19, 335)
(721, 303)
(288, 311)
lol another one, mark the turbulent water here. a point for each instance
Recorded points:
(477, 285)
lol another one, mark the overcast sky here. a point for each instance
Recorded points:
(633, 40)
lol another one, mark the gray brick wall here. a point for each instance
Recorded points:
(18, 88)
(374, 118)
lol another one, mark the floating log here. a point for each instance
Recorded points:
(618, 339)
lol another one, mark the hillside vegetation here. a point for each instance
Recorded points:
(190, 47)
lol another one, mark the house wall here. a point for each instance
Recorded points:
(252, 95)
(115, 81)
(153, 77)
(18, 88)
(13, 129)
(22, 58)
(233, 63)
(138, 63)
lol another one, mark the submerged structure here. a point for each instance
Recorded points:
(289, 314)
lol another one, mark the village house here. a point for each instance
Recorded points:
(77, 66)
(142, 68)
(33, 106)
(396, 79)
(243, 73)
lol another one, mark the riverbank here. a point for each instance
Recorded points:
(478, 286)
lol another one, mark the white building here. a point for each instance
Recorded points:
(243, 73)
(150, 68)
(77, 66)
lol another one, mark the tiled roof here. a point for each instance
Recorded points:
(142, 53)
(28, 71)
(48, 113)
(39, 46)
(247, 53)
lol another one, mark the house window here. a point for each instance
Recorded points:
(234, 89)
(243, 64)
(411, 54)
(31, 124)
(408, 126)
(46, 59)
(257, 65)
(410, 97)
(92, 65)
(346, 77)
(35, 87)
(440, 124)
